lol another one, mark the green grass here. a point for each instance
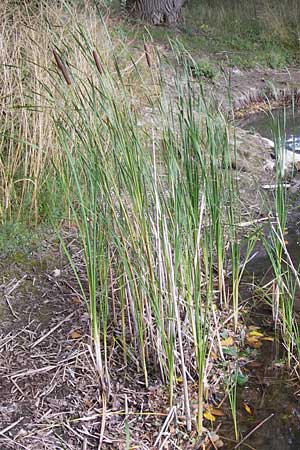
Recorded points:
(244, 34)
(18, 238)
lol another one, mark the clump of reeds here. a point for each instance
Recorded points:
(286, 277)
(152, 207)
(30, 54)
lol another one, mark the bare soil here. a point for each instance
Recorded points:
(50, 392)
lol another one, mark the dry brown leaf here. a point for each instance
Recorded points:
(216, 411)
(76, 300)
(253, 342)
(228, 342)
(87, 402)
(75, 334)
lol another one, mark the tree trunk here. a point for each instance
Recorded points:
(156, 12)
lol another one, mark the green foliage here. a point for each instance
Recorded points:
(17, 238)
(246, 34)
(204, 68)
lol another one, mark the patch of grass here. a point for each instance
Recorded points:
(204, 69)
(245, 34)
(17, 238)
(246, 31)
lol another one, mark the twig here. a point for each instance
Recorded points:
(103, 421)
(31, 372)
(16, 285)
(211, 440)
(216, 333)
(252, 431)
(67, 425)
(164, 441)
(252, 222)
(275, 186)
(166, 423)
(11, 308)
(52, 330)
(12, 425)
(8, 339)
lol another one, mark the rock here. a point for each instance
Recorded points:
(268, 142)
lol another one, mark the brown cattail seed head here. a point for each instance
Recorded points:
(62, 67)
(147, 54)
(98, 62)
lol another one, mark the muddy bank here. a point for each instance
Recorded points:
(245, 92)
(242, 93)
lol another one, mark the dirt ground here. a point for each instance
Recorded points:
(49, 389)
(50, 392)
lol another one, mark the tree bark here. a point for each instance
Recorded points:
(156, 12)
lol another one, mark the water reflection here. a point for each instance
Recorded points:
(293, 143)
(289, 120)
(268, 391)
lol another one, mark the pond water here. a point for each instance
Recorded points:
(270, 389)
(263, 123)
(289, 119)
(274, 398)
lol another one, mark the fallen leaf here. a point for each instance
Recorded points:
(75, 334)
(255, 333)
(227, 342)
(88, 403)
(253, 342)
(216, 411)
(248, 408)
(209, 416)
(76, 300)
